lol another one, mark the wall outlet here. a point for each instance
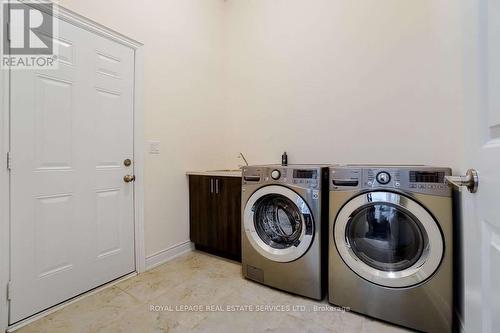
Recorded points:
(154, 147)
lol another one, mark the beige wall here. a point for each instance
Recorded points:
(345, 81)
(378, 81)
(326, 80)
(183, 107)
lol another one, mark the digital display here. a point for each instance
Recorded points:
(426, 177)
(305, 174)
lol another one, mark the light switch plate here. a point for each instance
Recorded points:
(154, 147)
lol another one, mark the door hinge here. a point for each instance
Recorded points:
(9, 290)
(7, 26)
(9, 160)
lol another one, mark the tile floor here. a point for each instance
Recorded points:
(194, 279)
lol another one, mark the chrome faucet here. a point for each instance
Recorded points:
(240, 155)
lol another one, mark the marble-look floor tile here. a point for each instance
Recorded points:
(87, 315)
(197, 292)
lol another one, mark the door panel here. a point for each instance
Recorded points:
(108, 222)
(53, 123)
(202, 228)
(51, 227)
(482, 134)
(229, 216)
(72, 224)
(111, 128)
(215, 215)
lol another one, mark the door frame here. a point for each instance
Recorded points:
(138, 132)
(4, 192)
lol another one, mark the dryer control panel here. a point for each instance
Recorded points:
(418, 179)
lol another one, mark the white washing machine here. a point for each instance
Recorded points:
(391, 244)
(284, 211)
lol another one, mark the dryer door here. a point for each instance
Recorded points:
(278, 223)
(388, 239)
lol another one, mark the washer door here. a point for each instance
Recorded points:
(278, 223)
(388, 239)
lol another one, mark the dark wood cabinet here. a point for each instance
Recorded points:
(215, 215)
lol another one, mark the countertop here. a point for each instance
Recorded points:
(216, 173)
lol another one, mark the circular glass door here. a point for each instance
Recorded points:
(385, 237)
(278, 223)
(388, 239)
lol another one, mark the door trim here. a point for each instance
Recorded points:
(138, 132)
(4, 193)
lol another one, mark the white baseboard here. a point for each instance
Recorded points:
(168, 254)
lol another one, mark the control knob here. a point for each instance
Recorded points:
(383, 178)
(275, 174)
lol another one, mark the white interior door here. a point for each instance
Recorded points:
(72, 225)
(482, 127)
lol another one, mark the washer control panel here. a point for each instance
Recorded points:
(419, 179)
(381, 177)
(298, 175)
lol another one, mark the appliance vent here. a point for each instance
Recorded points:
(255, 274)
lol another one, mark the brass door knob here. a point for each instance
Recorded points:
(129, 178)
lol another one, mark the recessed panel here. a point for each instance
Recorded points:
(53, 123)
(494, 274)
(53, 233)
(108, 222)
(495, 132)
(108, 65)
(493, 72)
(64, 51)
(108, 150)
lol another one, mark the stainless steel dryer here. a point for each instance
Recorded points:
(390, 248)
(284, 210)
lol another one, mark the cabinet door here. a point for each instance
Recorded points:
(201, 209)
(228, 216)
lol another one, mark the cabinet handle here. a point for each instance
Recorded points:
(211, 185)
(217, 186)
